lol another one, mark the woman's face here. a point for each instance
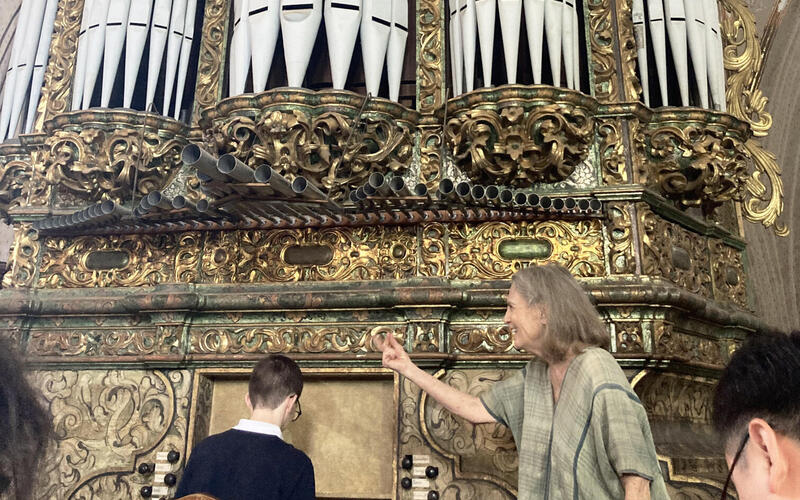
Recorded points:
(527, 322)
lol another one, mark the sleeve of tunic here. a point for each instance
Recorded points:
(504, 400)
(621, 420)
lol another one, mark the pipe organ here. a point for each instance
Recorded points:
(193, 184)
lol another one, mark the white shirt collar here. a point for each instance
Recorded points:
(259, 427)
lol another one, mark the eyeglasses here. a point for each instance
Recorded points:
(733, 464)
(297, 410)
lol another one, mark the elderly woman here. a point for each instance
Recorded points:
(580, 430)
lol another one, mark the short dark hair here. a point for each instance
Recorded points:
(274, 378)
(761, 381)
(25, 426)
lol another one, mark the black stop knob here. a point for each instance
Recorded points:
(431, 472)
(433, 495)
(405, 483)
(146, 491)
(170, 479)
(145, 468)
(173, 456)
(407, 462)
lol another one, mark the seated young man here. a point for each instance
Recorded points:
(757, 413)
(251, 461)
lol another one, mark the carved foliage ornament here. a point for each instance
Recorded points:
(531, 135)
(317, 135)
(674, 253)
(99, 154)
(106, 422)
(15, 172)
(743, 56)
(696, 165)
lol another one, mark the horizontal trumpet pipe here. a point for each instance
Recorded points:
(230, 166)
(267, 175)
(202, 161)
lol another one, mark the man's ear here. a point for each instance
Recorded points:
(248, 402)
(766, 442)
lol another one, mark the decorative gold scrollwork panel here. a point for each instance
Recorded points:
(492, 250)
(101, 154)
(518, 136)
(106, 422)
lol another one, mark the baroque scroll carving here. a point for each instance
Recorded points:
(143, 260)
(210, 65)
(674, 253)
(744, 59)
(475, 250)
(106, 422)
(528, 135)
(99, 154)
(15, 173)
(277, 339)
(319, 135)
(696, 165)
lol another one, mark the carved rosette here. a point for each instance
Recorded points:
(520, 135)
(100, 154)
(15, 172)
(696, 157)
(319, 135)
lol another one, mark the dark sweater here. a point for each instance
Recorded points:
(240, 465)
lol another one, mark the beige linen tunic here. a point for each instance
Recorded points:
(597, 431)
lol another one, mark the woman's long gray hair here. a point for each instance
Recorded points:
(572, 321)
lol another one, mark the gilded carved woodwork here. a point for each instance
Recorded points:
(628, 336)
(331, 137)
(106, 422)
(744, 59)
(621, 246)
(472, 339)
(693, 348)
(23, 258)
(431, 151)
(484, 452)
(101, 342)
(696, 160)
(15, 173)
(430, 56)
(602, 42)
(674, 253)
(211, 65)
(244, 339)
(612, 151)
(632, 88)
(474, 462)
(101, 154)
(475, 251)
(141, 260)
(518, 135)
(57, 90)
(457, 251)
(727, 270)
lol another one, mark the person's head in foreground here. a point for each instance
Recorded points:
(25, 427)
(550, 314)
(274, 390)
(757, 413)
